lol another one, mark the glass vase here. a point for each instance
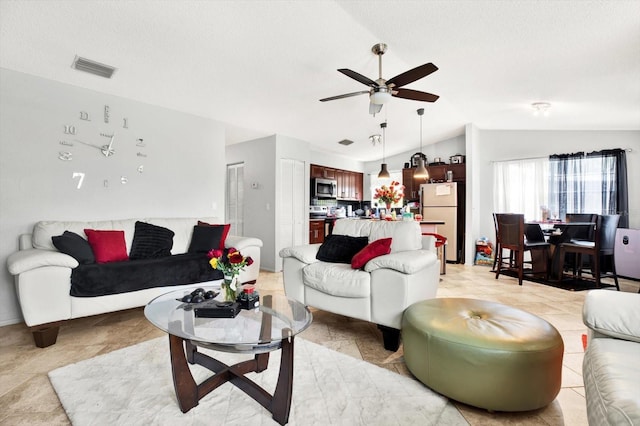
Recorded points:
(228, 288)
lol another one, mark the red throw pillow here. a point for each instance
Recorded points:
(107, 246)
(225, 232)
(373, 249)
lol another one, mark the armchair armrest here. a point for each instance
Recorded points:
(305, 253)
(241, 243)
(25, 260)
(407, 262)
(613, 314)
(428, 242)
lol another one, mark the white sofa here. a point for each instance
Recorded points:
(43, 274)
(611, 365)
(378, 293)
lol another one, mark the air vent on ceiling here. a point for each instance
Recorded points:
(93, 67)
(345, 142)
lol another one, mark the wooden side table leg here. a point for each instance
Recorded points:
(183, 383)
(281, 402)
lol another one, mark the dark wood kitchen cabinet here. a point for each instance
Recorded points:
(436, 173)
(349, 183)
(316, 231)
(322, 172)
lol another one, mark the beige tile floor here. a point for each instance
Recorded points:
(27, 398)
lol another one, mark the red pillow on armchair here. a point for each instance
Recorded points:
(374, 249)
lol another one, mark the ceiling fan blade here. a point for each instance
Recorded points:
(414, 95)
(346, 95)
(374, 108)
(412, 75)
(358, 77)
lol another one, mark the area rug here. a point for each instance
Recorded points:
(133, 386)
(565, 284)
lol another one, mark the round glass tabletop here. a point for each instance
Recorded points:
(257, 330)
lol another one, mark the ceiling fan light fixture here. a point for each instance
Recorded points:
(380, 97)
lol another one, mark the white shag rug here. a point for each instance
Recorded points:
(133, 386)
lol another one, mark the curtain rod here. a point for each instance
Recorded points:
(543, 156)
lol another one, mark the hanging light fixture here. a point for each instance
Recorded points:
(421, 172)
(384, 173)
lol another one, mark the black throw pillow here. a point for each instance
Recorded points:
(205, 238)
(340, 248)
(75, 246)
(151, 241)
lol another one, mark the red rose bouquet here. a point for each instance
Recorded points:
(230, 261)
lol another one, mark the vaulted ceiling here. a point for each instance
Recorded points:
(261, 67)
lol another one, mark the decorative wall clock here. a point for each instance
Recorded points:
(105, 136)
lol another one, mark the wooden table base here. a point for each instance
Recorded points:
(189, 393)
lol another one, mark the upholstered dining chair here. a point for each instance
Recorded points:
(511, 236)
(601, 250)
(582, 232)
(579, 233)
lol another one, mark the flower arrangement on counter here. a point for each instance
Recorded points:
(389, 194)
(230, 261)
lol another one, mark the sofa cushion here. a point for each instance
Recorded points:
(337, 279)
(75, 246)
(205, 238)
(107, 246)
(372, 250)
(225, 231)
(406, 234)
(124, 277)
(340, 248)
(151, 241)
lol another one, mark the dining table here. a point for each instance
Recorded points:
(556, 233)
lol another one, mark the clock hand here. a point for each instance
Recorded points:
(88, 144)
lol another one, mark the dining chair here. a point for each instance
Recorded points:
(511, 236)
(601, 251)
(497, 248)
(584, 233)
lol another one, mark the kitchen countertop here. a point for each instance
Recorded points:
(422, 222)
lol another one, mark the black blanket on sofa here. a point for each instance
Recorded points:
(122, 277)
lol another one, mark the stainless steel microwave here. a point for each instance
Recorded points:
(324, 188)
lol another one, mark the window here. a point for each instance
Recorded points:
(377, 183)
(521, 186)
(566, 183)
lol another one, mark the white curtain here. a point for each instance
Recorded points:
(521, 186)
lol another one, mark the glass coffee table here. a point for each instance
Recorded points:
(271, 326)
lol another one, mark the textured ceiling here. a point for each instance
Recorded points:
(261, 66)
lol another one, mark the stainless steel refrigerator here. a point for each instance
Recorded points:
(440, 202)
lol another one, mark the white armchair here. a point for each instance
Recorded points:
(382, 290)
(610, 367)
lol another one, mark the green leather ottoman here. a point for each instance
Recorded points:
(483, 353)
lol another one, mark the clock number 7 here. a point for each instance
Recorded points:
(78, 175)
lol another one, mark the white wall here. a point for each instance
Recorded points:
(184, 171)
(261, 158)
(495, 145)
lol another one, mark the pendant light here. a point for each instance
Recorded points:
(384, 173)
(421, 172)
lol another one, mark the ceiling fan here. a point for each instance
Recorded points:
(382, 90)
